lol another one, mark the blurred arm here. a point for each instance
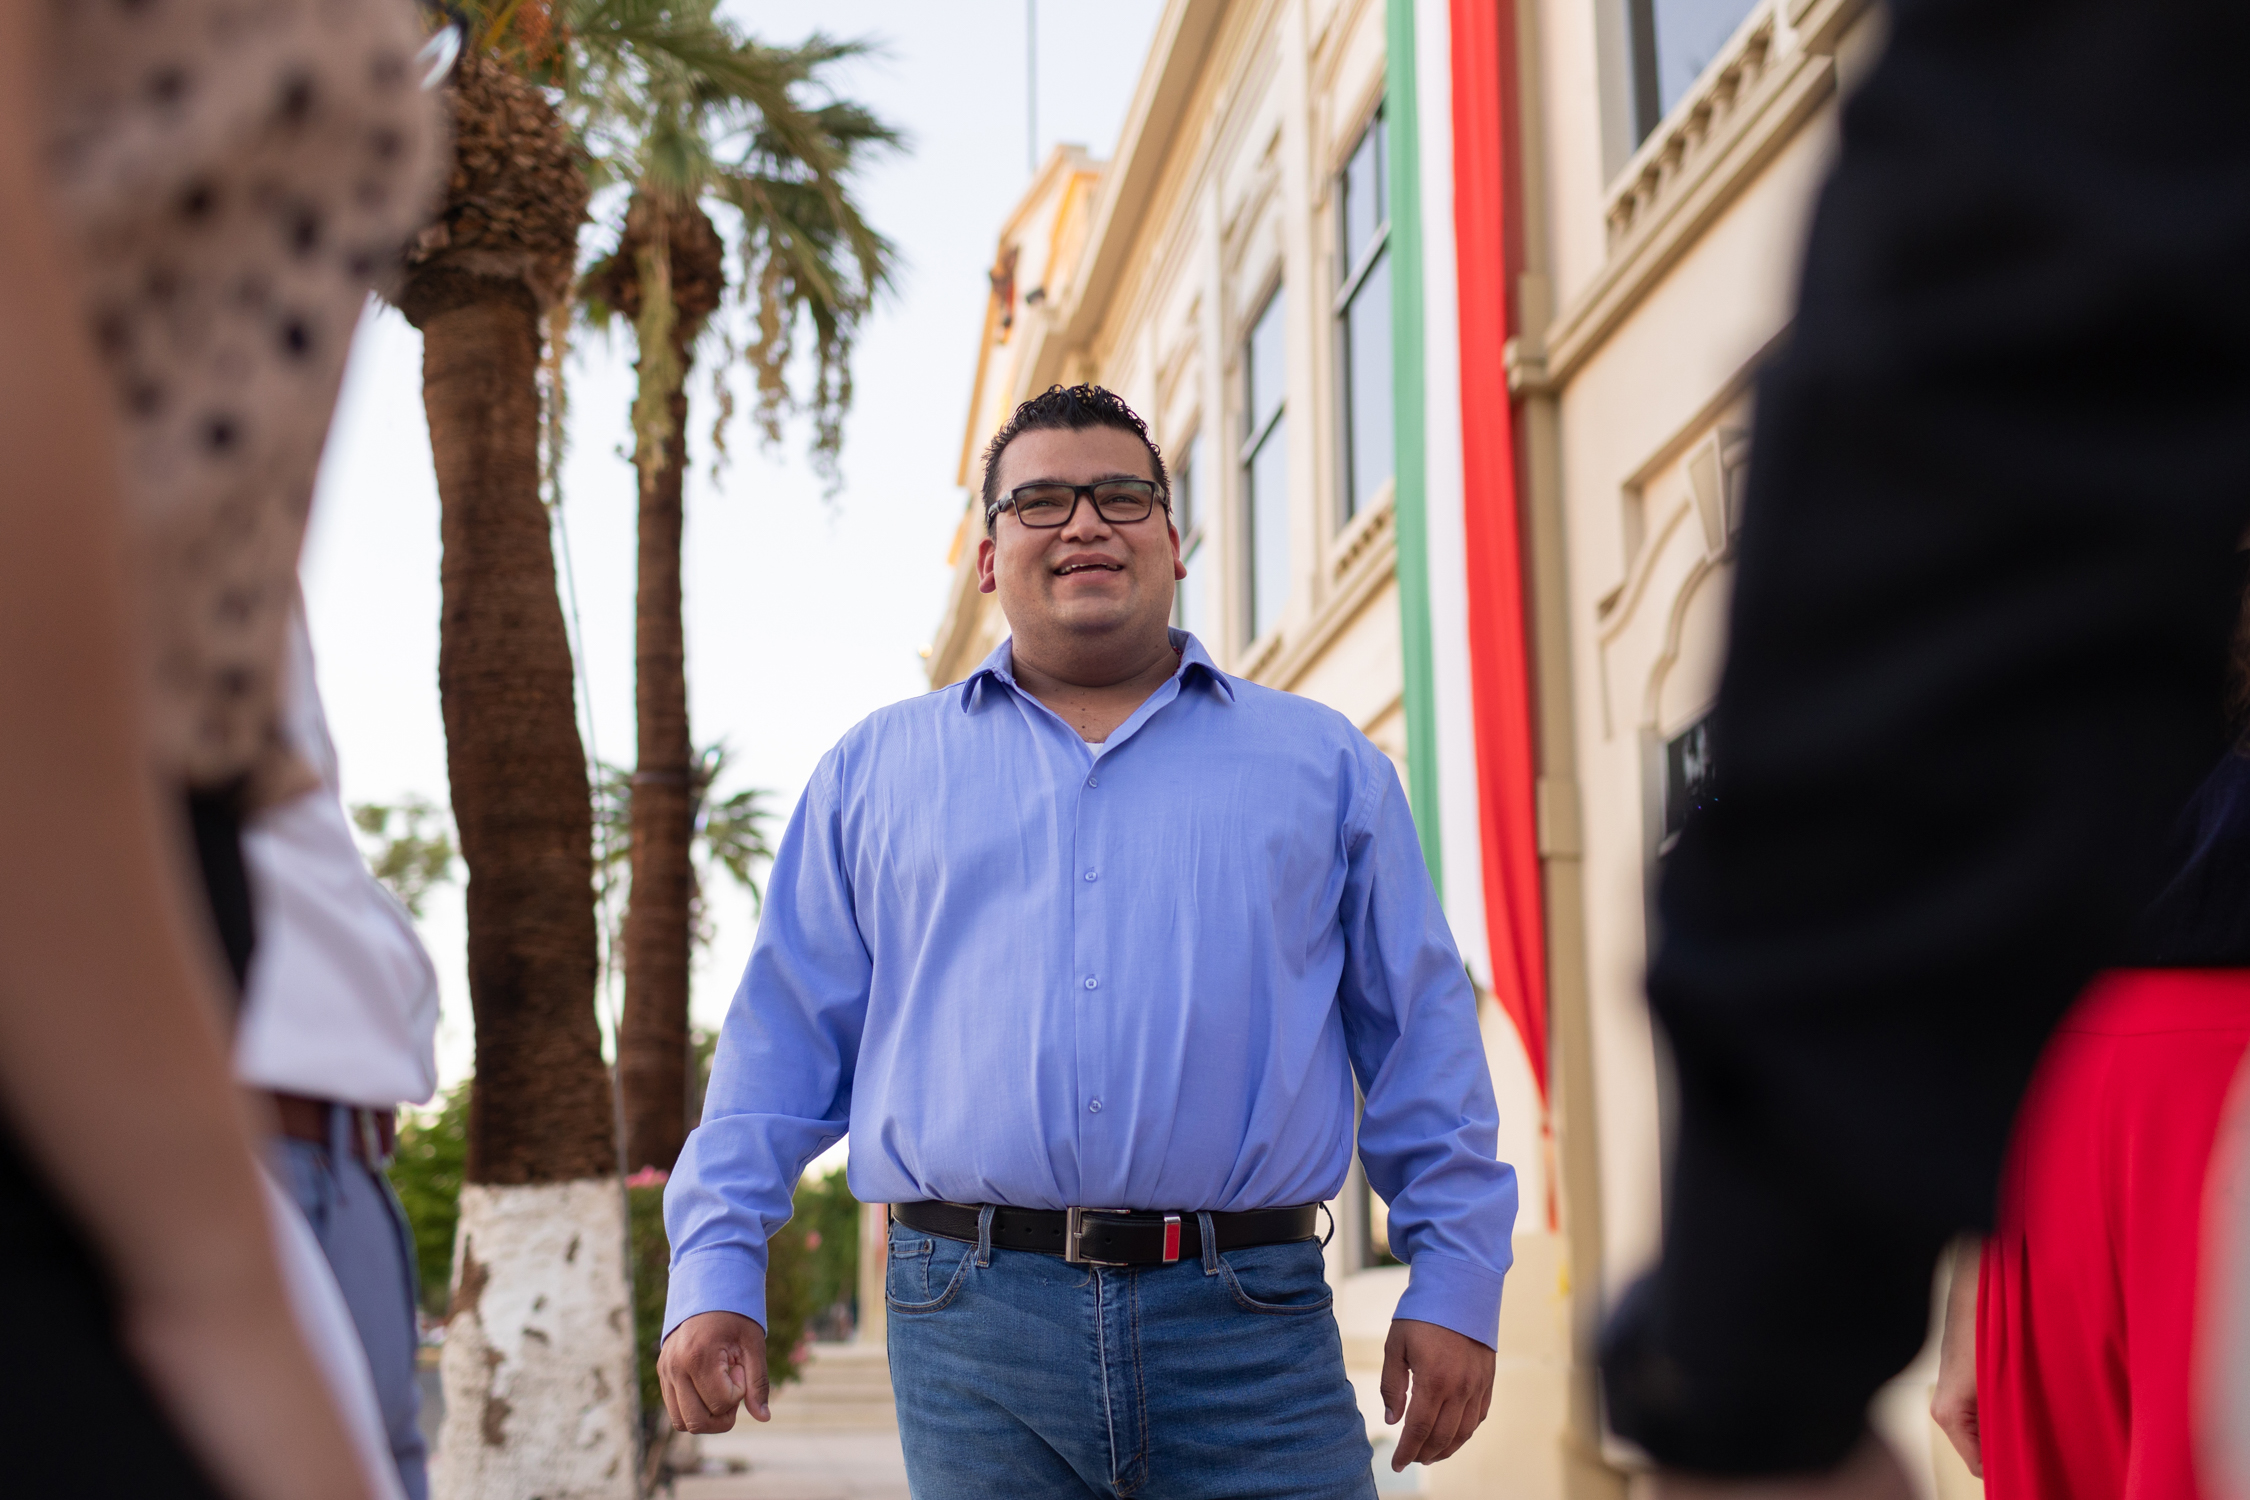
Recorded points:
(111, 1071)
(1954, 1404)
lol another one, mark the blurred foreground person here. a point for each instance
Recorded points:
(192, 205)
(1986, 581)
(2069, 1354)
(1087, 952)
(339, 1028)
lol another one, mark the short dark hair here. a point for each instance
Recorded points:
(1077, 408)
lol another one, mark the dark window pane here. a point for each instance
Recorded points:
(1367, 387)
(1687, 36)
(1190, 608)
(1269, 529)
(1191, 605)
(1690, 778)
(1187, 474)
(1363, 197)
(1264, 371)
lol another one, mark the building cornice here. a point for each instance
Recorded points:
(1779, 69)
(1183, 38)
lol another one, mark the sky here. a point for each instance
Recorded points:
(804, 613)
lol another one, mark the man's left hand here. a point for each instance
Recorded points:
(1452, 1380)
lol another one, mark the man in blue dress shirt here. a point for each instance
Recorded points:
(1086, 953)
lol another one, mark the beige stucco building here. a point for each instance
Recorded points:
(1224, 272)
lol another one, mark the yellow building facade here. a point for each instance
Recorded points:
(1229, 272)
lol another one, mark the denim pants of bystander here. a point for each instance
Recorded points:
(363, 1231)
(1020, 1374)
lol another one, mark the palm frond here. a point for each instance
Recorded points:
(730, 834)
(672, 98)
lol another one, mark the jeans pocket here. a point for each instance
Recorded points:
(924, 1273)
(1289, 1279)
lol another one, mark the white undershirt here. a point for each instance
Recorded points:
(342, 1001)
(1097, 746)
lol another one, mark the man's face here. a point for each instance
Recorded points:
(1087, 576)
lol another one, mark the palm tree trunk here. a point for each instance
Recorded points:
(538, 1364)
(541, 1210)
(671, 264)
(541, 1107)
(652, 1038)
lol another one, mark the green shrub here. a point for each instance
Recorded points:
(790, 1277)
(426, 1173)
(812, 1270)
(829, 1216)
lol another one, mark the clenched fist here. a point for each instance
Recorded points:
(711, 1364)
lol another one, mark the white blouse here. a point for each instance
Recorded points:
(342, 1000)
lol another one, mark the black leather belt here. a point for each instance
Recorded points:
(1112, 1236)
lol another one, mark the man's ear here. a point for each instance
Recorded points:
(1179, 567)
(985, 549)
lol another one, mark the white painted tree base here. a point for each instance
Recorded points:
(538, 1362)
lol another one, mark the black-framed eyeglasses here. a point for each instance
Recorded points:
(1044, 506)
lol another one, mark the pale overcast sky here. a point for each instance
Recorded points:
(802, 615)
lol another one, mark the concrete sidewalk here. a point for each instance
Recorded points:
(834, 1436)
(835, 1464)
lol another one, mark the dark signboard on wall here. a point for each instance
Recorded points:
(1689, 779)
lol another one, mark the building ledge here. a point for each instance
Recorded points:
(1751, 102)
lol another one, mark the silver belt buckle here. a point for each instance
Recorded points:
(1074, 1229)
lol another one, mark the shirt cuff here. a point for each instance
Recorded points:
(1453, 1294)
(729, 1278)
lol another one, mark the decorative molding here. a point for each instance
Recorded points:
(1361, 532)
(1675, 622)
(1675, 149)
(1619, 604)
(1285, 655)
(1746, 107)
(1259, 657)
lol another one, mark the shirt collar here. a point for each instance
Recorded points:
(1194, 662)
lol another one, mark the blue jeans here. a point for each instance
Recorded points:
(363, 1232)
(1019, 1374)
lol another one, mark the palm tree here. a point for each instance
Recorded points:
(540, 1399)
(692, 114)
(730, 837)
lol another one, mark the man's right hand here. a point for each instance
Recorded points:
(711, 1364)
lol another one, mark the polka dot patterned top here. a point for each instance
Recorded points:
(235, 175)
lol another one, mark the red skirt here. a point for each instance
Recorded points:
(2086, 1297)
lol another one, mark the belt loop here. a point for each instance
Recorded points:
(1210, 1242)
(984, 1236)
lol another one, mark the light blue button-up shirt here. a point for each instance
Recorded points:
(1022, 971)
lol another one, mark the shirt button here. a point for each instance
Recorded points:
(1090, 981)
(1089, 874)
(1094, 1108)
(1093, 781)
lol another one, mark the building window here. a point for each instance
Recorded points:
(1690, 779)
(1673, 41)
(1191, 601)
(1363, 320)
(1265, 471)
